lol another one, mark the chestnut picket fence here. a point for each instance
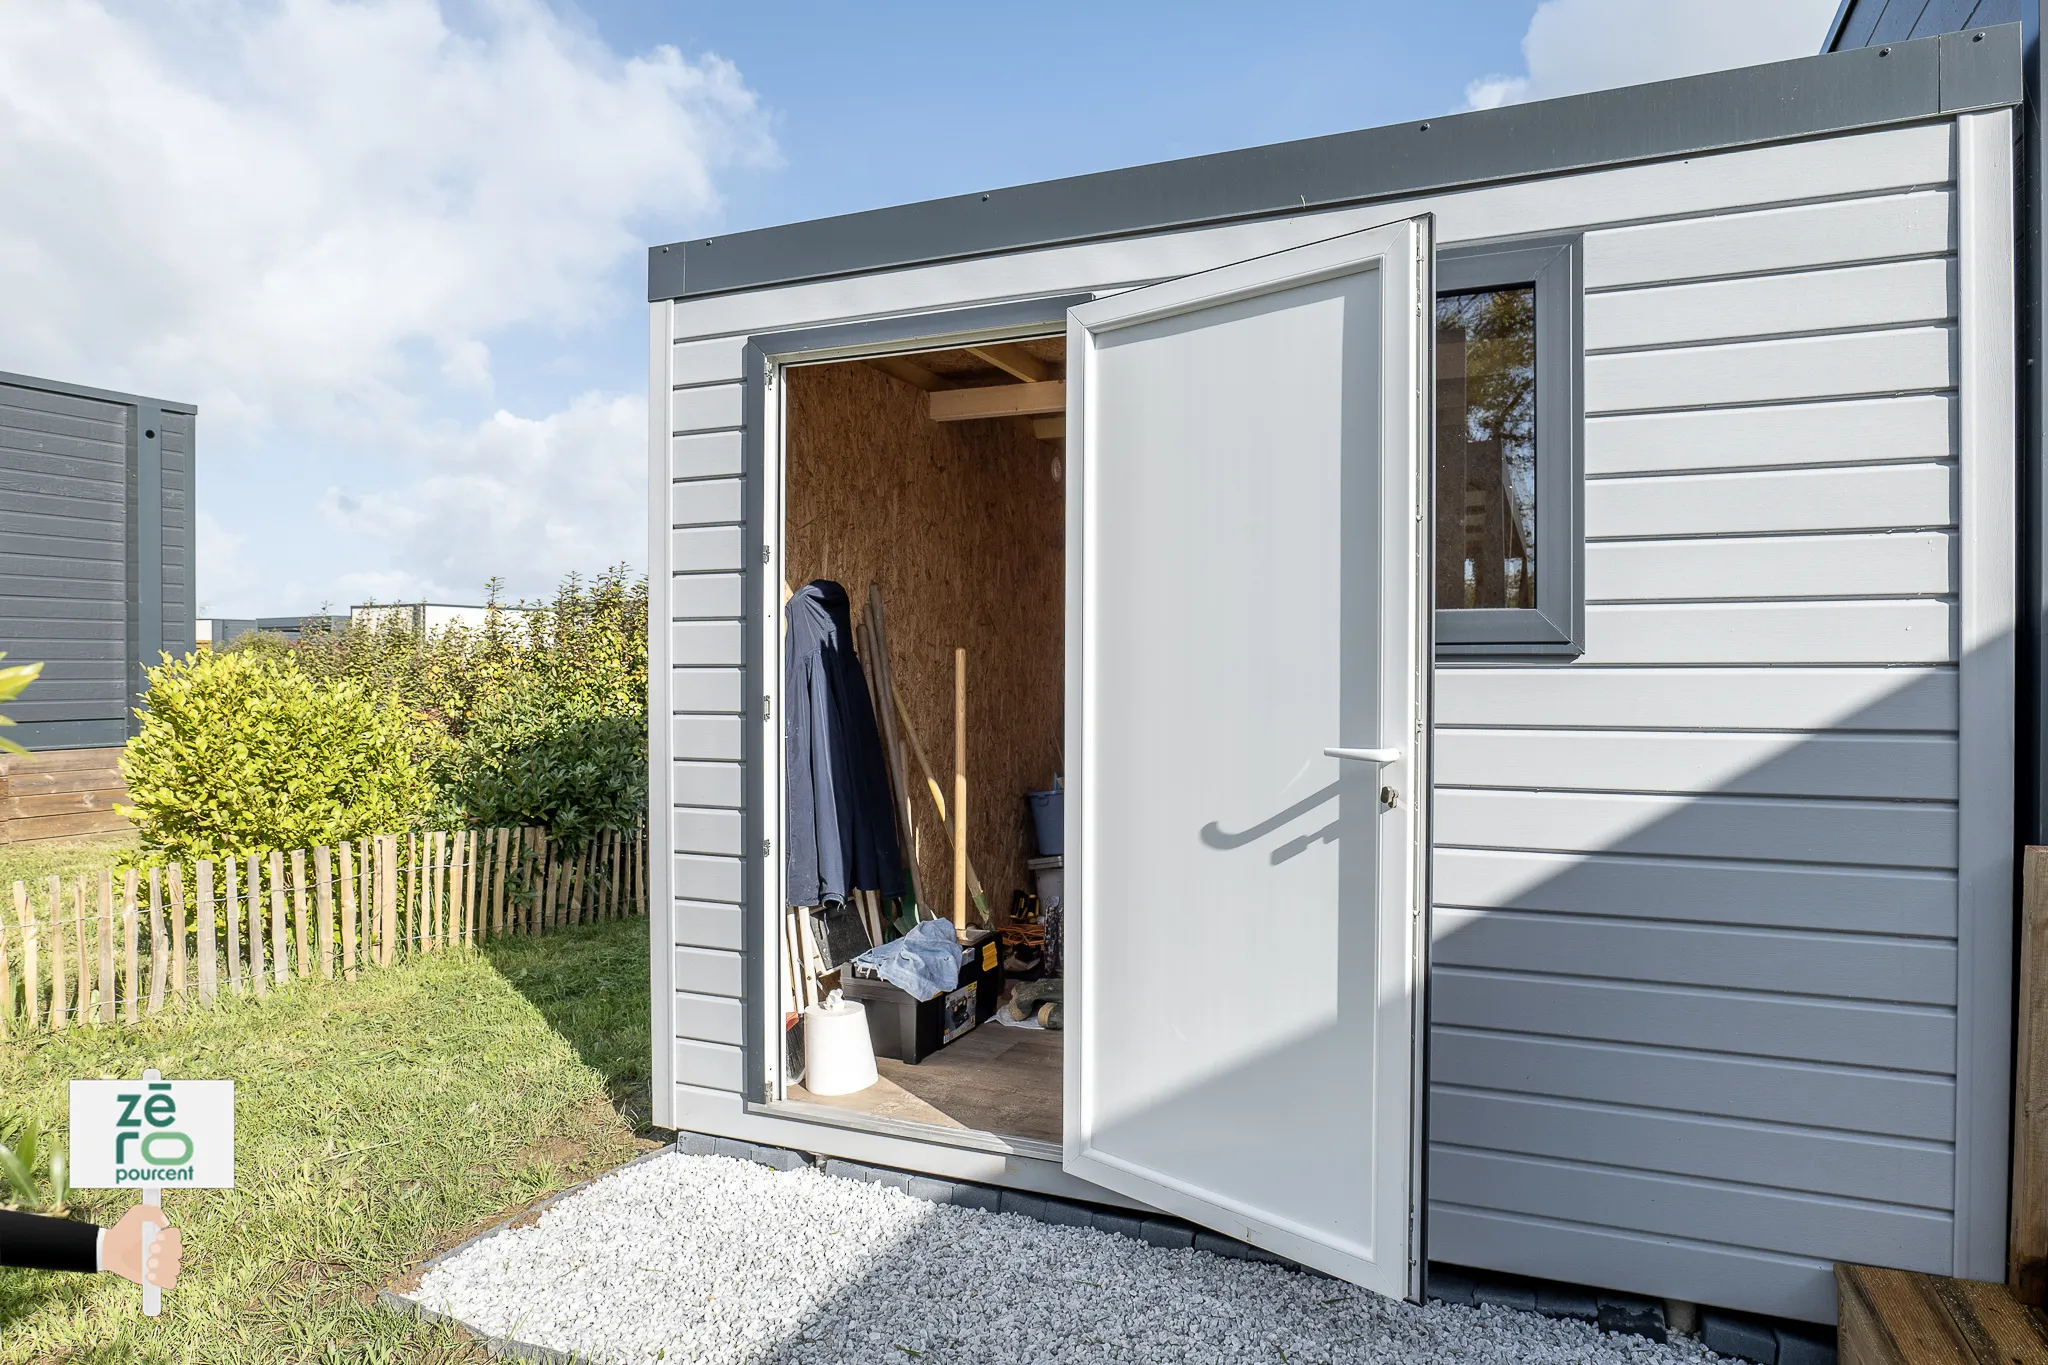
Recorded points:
(120, 948)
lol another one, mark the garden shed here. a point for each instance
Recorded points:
(96, 559)
(1519, 608)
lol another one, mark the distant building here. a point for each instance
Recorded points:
(220, 631)
(425, 617)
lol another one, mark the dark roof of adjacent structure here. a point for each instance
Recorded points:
(1836, 92)
(1869, 23)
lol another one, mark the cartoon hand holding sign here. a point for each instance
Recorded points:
(147, 1134)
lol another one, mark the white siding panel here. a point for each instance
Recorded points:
(705, 971)
(700, 830)
(1780, 895)
(1811, 301)
(709, 879)
(708, 1019)
(1880, 1101)
(1773, 239)
(1842, 364)
(716, 361)
(1700, 698)
(1908, 631)
(1920, 1173)
(1892, 767)
(1919, 426)
(700, 924)
(706, 643)
(1877, 834)
(1872, 497)
(706, 502)
(1904, 1037)
(705, 737)
(706, 689)
(1889, 564)
(713, 1066)
(705, 549)
(1916, 1239)
(1903, 971)
(705, 595)
(709, 408)
(708, 784)
(709, 454)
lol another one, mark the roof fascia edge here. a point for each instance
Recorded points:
(1835, 92)
(29, 381)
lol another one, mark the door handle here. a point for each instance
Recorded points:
(1366, 755)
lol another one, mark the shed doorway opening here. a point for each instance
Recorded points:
(924, 520)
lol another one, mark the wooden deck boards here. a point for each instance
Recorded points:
(1900, 1317)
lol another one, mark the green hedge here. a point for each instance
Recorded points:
(536, 717)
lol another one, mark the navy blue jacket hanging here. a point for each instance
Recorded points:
(842, 832)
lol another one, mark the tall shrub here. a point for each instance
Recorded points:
(243, 750)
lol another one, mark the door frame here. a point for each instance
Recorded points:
(765, 465)
(1253, 277)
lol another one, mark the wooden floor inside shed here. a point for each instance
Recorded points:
(996, 1079)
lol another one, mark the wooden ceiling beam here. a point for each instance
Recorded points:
(1050, 428)
(1013, 360)
(909, 372)
(999, 400)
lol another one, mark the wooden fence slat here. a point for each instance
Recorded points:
(472, 886)
(105, 925)
(174, 885)
(411, 935)
(159, 941)
(366, 902)
(458, 896)
(348, 912)
(280, 965)
(203, 912)
(232, 914)
(500, 840)
(323, 909)
(252, 896)
(304, 959)
(59, 997)
(6, 976)
(130, 939)
(387, 868)
(31, 987)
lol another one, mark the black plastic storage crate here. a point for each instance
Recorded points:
(911, 1030)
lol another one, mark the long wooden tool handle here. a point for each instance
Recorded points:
(960, 793)
(931, 782)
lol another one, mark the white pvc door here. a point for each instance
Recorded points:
(1246, 595)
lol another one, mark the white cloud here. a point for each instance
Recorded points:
(1578, 45)
(536, 498)
(303, 208)
(335, 225)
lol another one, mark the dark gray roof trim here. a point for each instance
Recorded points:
(1832, 93)
(1872, 23)
(83, 391)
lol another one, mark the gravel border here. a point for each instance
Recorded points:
(572, 1272)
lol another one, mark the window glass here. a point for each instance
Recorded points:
(1486, 448)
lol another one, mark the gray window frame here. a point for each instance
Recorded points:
(1556, 625)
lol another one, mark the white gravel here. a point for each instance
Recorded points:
(706, 1258)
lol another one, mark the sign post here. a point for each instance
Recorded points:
(149, 1134)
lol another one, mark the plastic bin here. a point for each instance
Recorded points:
(1049, 820)
(912, 1030)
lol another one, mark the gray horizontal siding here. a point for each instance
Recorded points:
(1695, 965)
(63, 569)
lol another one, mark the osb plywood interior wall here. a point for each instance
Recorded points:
(963, 525)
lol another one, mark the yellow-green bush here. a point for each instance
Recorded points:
(244, 750)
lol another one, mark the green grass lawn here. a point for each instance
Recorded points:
(376, 1122)
(66, 858)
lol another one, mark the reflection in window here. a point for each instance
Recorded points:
(1486, 448)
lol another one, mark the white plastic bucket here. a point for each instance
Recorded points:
(839, 1057)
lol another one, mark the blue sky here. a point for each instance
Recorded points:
(394, 248)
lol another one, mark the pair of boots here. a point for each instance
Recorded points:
(1046, 999)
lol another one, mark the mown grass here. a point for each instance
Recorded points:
(376, 1122)
(66, 858)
